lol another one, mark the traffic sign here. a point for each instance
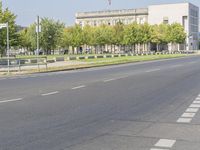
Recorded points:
(3, 25)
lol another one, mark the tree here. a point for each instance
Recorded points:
(76, 37)
(160, 34)
(118, 34)
(7, 16)
(103, 35)
(51, 34)
(131, 35)
(24, 39)
(177, 34)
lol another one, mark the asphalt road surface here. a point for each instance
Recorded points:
(140, 106)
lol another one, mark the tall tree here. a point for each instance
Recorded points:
(7, 16)
(177, 34)
(51, 34)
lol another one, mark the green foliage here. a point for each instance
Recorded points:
(131, 34)
(7, 16)
(51, 34)
(176, 33)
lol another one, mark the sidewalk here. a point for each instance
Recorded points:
(4, 69)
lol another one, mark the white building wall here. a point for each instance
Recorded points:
(175, 13)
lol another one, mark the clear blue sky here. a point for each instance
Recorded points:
(64, 10)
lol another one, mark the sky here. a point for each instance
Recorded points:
(64, 10)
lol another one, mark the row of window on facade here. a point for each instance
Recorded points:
(194, 13)
(112, 21)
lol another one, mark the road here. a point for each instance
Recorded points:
(138, 106)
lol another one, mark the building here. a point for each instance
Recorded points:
(186, 14)
(112, 17)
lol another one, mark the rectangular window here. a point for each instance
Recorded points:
(165, 20)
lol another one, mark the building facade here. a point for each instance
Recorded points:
(185, 14)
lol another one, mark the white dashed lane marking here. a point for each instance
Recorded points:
(158, 149)
(11, 100)
(51, 93)
(78, 87)
(153, 70)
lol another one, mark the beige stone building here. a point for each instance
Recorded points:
(112, 17)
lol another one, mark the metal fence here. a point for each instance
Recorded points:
(16, 64)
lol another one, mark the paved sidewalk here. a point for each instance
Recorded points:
(43, 66)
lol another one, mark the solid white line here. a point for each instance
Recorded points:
(184, 120)
(11, 100)
(51, 93)
(152, 70)
(78, 87)
(165, 143)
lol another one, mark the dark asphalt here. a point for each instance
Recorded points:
(124, 107)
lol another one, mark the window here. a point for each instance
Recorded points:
(165, 20)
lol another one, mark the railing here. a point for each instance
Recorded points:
(16, 64)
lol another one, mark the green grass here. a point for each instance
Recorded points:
(130, 59)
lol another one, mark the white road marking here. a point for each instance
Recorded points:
(192, 110)
(51, 93)
(108, 80)
(165, 143)
(196, 102)
(78, 87)
(174, 66)
(32, 76)
(153, 70)
(158, 149)
(11, 100)
(184, 120)
(198, 98)
(195, 106)
(188, 115)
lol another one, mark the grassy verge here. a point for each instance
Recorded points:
(88, 63)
